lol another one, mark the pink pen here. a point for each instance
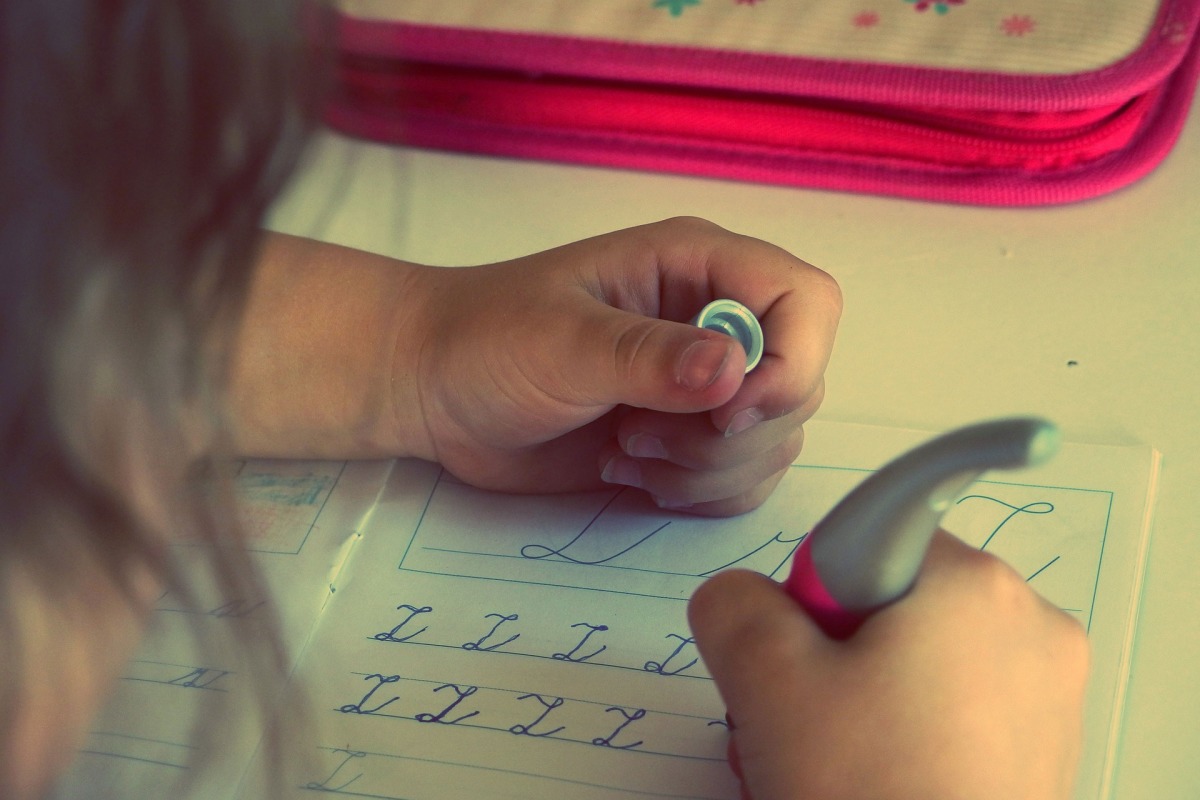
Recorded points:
(867, 551)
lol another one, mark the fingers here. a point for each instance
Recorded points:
(969, 685)
(525, 353)
(954, 569)
(752, 434)
(726, 506)
(685, 463)
(685, 473)
(791, 373)
(798, 306)
(671, 269)
(758, 645)
(751, 635)
(956, 575)
(745, 623)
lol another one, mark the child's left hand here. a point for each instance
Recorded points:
(578, 366)
(565, 370)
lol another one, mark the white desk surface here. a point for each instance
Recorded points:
(952, 314)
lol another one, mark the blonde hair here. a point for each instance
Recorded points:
(141, 142)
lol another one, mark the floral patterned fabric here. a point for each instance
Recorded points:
(1014, 36)
(998, 103)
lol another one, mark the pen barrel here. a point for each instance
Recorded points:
(805, 586)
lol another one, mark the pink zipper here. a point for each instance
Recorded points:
(605, 109)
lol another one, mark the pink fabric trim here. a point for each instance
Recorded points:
(1159, 78)
(861, 173)
(727, 120)
(1161, 52)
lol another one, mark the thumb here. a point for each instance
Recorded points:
(652, 363)
(754, 640)
(757, 644)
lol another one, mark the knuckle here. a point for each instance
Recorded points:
(690, 224)
(826, 287)
(811, 401)
(779, 458)
(994, 582)
(628, 345)
(1075, 647)
(794, 441)
(796, 397)
(729, 507)
(743, 502)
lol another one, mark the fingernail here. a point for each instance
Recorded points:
(702, 362)
(743, 420)
(644, 445)
(622, 470)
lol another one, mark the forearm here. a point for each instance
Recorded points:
(312, 361)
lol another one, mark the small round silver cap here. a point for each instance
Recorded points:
(734, 319)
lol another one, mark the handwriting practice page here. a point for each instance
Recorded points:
(496, 646)
(301, 519)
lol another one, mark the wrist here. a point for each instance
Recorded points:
(401, 414)
(310, 370)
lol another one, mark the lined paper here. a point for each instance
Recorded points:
(455, 642)
(494, 645)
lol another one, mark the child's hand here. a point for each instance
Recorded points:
(970, 687)
(577, 366)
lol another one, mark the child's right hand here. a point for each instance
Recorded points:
(972, 686)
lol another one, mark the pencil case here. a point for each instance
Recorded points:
(1009, 104)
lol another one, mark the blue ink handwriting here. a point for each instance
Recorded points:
(571, 655)
(547, 707)
(323, 786)
(501, 619)
(200, 678)
(606, 741)
(390, 636)
(357, 708)
(661, 667)
(460, 695)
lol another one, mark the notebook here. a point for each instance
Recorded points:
(949, 100)
(460, 643)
